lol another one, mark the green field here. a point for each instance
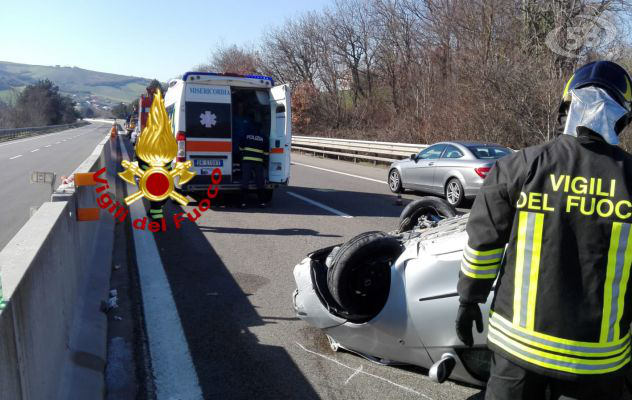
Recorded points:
(72, 80)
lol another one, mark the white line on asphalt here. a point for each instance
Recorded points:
(341, 173)
(48, 145)
(57, 142)
(33, 151)
(27, 140)
(321, 205)
(363, 372)
(14, 157)
(174, 374)
(357, 371)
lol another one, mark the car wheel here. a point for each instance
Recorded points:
(360, 275)
(395, 181)
(431, 209)
(454, 192)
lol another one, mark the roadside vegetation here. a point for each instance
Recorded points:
(39, 104)
(427, 70)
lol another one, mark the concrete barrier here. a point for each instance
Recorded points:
(54, 273)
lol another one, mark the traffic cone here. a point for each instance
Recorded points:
(114, 131)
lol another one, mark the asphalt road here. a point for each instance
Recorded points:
(230, 274)
(59, 152)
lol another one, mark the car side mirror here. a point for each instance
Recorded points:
(413, 157)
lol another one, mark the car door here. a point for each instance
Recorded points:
(444, 166)
(420, 174)
(281, 135)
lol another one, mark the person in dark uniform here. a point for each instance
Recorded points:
(254, 149)
(552, 226)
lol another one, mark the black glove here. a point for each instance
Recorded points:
(467, 314)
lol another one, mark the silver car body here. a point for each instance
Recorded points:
(432, 175)
(416, 325)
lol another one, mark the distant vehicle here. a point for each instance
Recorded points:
(210, 112)
(455, 170)
(134, 136)
(131, 125)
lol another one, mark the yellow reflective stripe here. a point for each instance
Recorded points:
(615, 285)
(522, 238)
(253, 159)
(609, 349)
(610, 273)
(499, 251)
(478, 262)
(254, 150)
(480, 267)
(559, 357)
(478, 276)
(497, 317)
(623, 285)
(557, 362)
(535, 269)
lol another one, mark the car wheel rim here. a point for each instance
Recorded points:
(394, 181)
(454, 193)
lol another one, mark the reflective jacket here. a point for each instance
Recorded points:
(254, 147)
(552, 225)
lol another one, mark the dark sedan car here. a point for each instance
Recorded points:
(455, 170)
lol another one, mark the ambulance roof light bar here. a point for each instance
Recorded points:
(192, 74)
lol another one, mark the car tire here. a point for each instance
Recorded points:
(360, 275)
(430, 208)
(395, 181)
(454, 192)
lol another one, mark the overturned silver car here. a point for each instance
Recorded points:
(391, 297)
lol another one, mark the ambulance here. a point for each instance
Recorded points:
(210, 112)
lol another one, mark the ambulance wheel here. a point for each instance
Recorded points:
(430, 209)
(360, 275)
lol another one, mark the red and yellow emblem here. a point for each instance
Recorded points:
(157, 147)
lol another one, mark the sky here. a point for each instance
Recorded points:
(151, 39)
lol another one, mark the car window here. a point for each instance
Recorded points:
(432, 152)
(489, 152)
(452, 152)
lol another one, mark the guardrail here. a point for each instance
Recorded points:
(386, 152)
(54, 274)
(8, 134)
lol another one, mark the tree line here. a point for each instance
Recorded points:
(427, 70)
(39, 104)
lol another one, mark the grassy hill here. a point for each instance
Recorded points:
(82, 83)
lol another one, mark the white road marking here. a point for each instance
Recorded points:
(57, 142)
(34, 138)
(362, 372)
(14, 157)
(174, 374)
(33, 151)
(321, 205)
(341, 173)
(48, 145)
(357, 371)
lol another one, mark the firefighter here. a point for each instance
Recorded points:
(254, 154)
(552, 227)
